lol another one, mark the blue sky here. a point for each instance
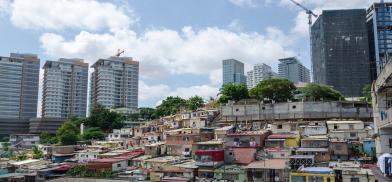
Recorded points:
(179, 43)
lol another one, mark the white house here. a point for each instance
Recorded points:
(24, 140)
(85, 156)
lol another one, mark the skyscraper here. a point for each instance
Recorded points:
(19, 77)
(340, 51)
(65, 88)
(259, 73)
(379, 20)
(292, 69)
(233, 71)
(114, 83)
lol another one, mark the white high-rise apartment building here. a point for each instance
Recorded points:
(259, 73)
(65, 88)
(114, 83)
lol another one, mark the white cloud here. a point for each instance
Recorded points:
(59, 14)
(164, 51)
(152, 91)
(161, 91)
(245, 3)
(235, 25)
(301, 21)
(4, 7)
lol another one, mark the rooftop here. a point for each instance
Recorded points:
(318, 170)
(211, 142)
(225, 128)
(312, 150)
(107, 160)
(268, 164)
(245, 133)
(343, 122)
(164, 159)
(282, 136)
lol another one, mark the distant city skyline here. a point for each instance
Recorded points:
(179, 52)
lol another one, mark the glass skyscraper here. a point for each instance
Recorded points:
(233, 72)
(340, 51)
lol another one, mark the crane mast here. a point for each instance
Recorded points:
(310, 14)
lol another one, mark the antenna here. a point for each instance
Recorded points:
(119, 52)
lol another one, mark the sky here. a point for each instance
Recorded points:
(180, 44)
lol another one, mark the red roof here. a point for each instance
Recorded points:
(133, 153)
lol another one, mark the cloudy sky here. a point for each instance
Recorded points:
(180, 43)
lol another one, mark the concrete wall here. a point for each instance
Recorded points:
(296, 110)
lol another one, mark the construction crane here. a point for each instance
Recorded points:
(119, 52)
(310, 14)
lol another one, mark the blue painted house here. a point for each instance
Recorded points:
(369, 147)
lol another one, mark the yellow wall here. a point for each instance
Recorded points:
(331, 177)
(292, 142)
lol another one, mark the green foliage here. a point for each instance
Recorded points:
(106, 173)
(20, 156)
(367, 93)
(147, 113)
(93, 133)
(5, 146)
(194, 103)
(234, 92)
(68, 133)
(46, 138)
(104, 119)
(82, 171)
(37, 154)
(317, 92)
(171, 105)
(278, 90)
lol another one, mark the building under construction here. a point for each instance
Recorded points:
(340, 51)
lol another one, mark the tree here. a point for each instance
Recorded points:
(234, 92)
(68, 133)
(277, 89)
(171, 105)
(147, 113)
(37, 153)
(367, 93)
(104, 119)
(317, 92)
(94, 133)
(46, 138)
(194, 103)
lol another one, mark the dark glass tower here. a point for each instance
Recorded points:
(340, 51)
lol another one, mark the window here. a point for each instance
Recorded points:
(280, 126)
(354, 180)
(390, 143)
(335, 126)
(294, 107)
(353, 134)
(263, 108)
(351, 126)
(119, 165)
(338, 147)
(237, 109)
